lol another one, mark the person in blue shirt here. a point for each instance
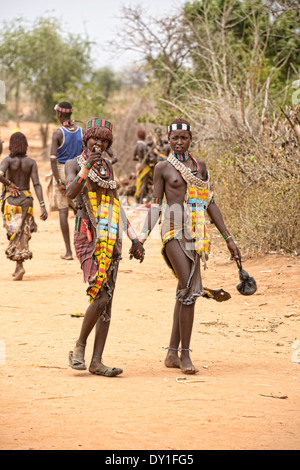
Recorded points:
(66, 145)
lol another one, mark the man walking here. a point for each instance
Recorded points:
(66, 145)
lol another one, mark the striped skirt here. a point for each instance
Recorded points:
(85, 250)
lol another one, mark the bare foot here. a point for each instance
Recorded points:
(19, 273)
(67, 257)
(186, 365)
(172, 359)
(98, 368)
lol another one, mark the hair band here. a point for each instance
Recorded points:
(99, 123)
(179, 126)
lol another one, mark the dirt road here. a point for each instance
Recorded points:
(245, 396)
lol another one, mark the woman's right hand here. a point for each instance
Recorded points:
(13, 189)
(94, 156)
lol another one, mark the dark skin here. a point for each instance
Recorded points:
(57, 140)
(97, 146)
(19, 170)
(168, 182)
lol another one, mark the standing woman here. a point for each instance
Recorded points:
(99, 223)
(184, 181)
(16, 172)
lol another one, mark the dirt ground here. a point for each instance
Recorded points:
(245, 396)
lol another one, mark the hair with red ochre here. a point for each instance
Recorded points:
(18, 144)
(100, 132)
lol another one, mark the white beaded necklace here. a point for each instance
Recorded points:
(187, 174)
(96, 178)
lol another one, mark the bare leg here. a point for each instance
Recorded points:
(172, 359)
(90, 319)
(97, 367)
(183, 318)
(64, 226)
(92, 316)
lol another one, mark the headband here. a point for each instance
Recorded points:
(99, 123)
(175, 127)
(63, 110)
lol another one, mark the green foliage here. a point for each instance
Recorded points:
(237, 63)
(42, 60)
(52, 61)
(106, 80)
(86, 98)
(259, 41)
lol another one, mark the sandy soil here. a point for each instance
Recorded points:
(245, 396)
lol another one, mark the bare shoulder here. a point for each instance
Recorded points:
(7, 160)
(203, 169)
(4, 165)
(160, 167)
(57, 134)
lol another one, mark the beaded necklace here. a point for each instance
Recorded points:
(95, 175)
(68, 124)
(197, 198)
(184, 158)
(186, 173)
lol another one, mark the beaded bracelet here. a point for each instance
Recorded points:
(84, 172)
(226, 235)
(144, 235)
(156, 200)
(80, 180)
(88, 166)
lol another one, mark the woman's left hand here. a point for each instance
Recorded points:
(234, 251)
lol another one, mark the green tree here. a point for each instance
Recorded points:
(53, 60)
(43, 60)
(86, 98)
(106, 80)
(12, 69)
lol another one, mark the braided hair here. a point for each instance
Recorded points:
(18, 144)
(101, 132)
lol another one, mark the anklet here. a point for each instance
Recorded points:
(173, 349)
(80, 344)
(187, 349)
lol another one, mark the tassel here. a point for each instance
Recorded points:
(89, 235)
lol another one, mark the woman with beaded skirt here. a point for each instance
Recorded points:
(98, 228)
(184, 182)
